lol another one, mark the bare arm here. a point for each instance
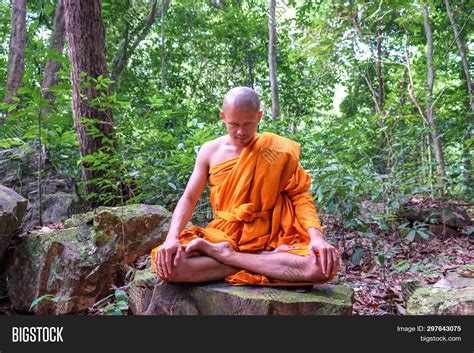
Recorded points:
(297, 189)
(169, 252)
(185, 206)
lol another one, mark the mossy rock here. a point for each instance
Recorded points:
(452, 295)
(80, 264)
(151, 296)
(438, 301)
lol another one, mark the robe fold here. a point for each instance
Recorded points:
(261, 200)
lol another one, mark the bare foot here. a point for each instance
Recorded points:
(217, 251)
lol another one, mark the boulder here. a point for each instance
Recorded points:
(452, 295)
(149, 295)
(73, 268)
(449, 215)
(12, 211)
(19, 171)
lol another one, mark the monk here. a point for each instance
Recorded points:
(265, 230)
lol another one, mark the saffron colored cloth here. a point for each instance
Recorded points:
(261, 200)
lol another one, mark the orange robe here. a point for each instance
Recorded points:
(261, 200)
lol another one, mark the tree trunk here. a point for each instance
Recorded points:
(16, 55)
(467, 180)
(163, 48)
(86, 48)
(437, 145)
(56, 43)
(293, 124)
(385, 156)
(248, 45)
(378, 67)
(385, 138)
(130, 41)
(462, 52)
(467, 147)
(272, 59)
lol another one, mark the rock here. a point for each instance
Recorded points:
(19, 171)
(139, 225)
(443, 230)
(148, 295)
(438, 301)
(12, 211)
(462, 278)
(449, 215)
(452, 295)
(80, 264)
(79, 219)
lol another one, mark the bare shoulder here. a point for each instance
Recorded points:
(207, 150)
(212, 146)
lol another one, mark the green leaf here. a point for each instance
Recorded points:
(468, 231)
(411, 235)
(374, 244)
(49, 9)
(122, 305)
(320, 194)
(40, 299)
(357, 256)
(404, 225)
(120, 295)
(402, 265)
(36, 96)
(24, 90)
(381, 258)
(423, 234)
(114, 312)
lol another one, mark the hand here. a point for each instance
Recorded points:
(167, 256)
(327, 255)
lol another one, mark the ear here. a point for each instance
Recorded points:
(223, 116)
(259, 116)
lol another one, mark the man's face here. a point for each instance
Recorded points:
(241, 123)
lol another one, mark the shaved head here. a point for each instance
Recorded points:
(242, 97)
(241, 114)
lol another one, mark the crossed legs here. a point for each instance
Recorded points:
(221, 260)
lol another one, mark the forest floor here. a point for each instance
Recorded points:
(377, 287)
(377, 282)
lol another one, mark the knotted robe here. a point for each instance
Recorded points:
(261, 200)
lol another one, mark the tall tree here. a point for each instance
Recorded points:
(163, 47)
(462, 53)
(56, 44)
(272, 61)
(438, 147)
(132, 38)
(427, 113)
(371, 33)
(86, 48)
(470, 92)
(16, 55)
